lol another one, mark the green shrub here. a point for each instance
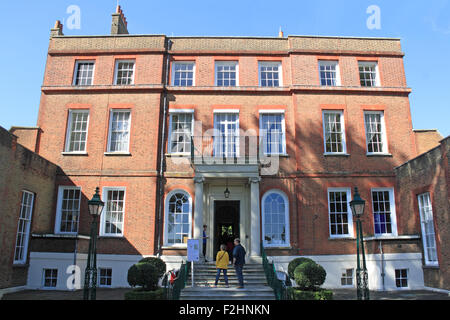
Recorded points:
(309, 275)
(145, 295)
(158, 263)
(294, 264)
(146, 273)
(133, 276)
(312, 295)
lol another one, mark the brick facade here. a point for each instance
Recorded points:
(427, 140)
(429, 173)
(305, 172)
(21, 170)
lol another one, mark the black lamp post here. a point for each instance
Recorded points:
(362, 282)
(90, 277)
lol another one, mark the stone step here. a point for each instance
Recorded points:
(232, 293)
(214, 270)
(230, 266)
(255, 282)
(229, 272)
(230, 269)
(231, 282)
(213, 276)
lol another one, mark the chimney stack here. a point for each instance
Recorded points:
(57, 30)
(280, 34)
(119, 22)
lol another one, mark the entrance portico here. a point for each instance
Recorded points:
(243, 183)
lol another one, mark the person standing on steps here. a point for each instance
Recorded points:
(239, 261)
(205, 238)
(222, 261)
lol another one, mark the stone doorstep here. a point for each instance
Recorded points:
(255, 281)
(248, 293)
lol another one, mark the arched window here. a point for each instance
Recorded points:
(178, 218)
(275, 217)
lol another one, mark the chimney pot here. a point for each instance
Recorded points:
(119, 22)
(57, 30)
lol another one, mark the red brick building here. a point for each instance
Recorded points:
(164, 125)
(27, 183)
(425, 182)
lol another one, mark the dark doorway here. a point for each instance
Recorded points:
(226, 224)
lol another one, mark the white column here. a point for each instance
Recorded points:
(255, 220)
(198, 207)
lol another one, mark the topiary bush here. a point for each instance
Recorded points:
(146, 273)
(156, 262)
(309, 275)
(294, 264)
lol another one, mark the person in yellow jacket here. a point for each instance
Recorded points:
(222, 262)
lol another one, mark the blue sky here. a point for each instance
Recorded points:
(423, 26)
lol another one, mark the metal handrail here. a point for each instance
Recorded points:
(173, 291)
(279, 287)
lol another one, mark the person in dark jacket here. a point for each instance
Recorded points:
(239, 261)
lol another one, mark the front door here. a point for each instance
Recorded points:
(226, 224)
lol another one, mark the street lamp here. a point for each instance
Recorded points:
(96, 206)
(362, 282)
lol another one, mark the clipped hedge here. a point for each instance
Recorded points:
(294, 264)
(309, 276)
(157, 263)
(146, 273)
(139, 294)
(312, 295)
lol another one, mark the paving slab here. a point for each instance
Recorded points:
(118, 294)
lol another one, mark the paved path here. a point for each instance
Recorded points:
(348, 294)
(118, 294)
(102, 294)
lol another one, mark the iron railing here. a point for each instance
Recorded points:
(172, 291)
(280, 290)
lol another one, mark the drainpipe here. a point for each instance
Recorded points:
(75, 252)
(163, 138)
(380, 246)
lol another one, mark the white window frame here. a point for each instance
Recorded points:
(393, 212)
(100, 277)
(217, 132)
(174, 112)
(377, 74)
(343, 134)
(26, 228)
(344, 272)
(103, 215)
(43, 278)
(286, 219)
(116, 71)
(58, 219)
(383, 133)
(193, 72)
(166, 218)
(77, 64)
(350, 233)
(226, 63)
(110, 131)
(279, 64)
(423, 221)
(69, 131)
(283, 128)
(401, 278)
(338, 73)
